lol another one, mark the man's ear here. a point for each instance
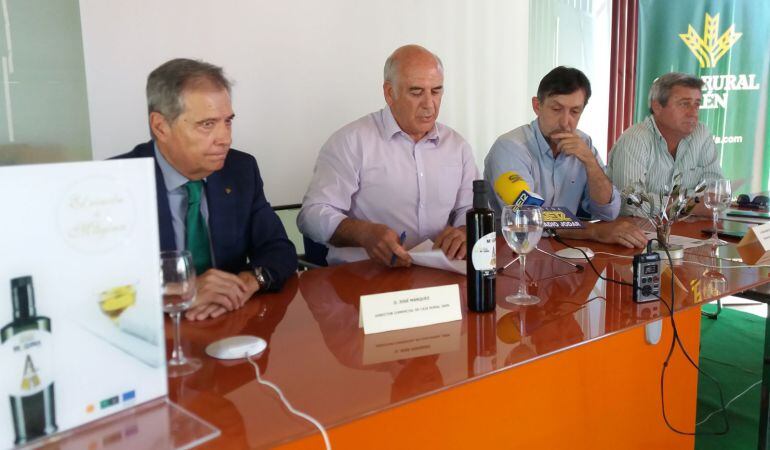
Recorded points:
(388, 92)
(656, 107)
(159, 126)
(536, 105)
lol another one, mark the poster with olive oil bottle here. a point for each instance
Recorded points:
(81, 315)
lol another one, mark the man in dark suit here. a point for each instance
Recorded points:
(210, 197)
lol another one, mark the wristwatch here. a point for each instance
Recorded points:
(261, 279)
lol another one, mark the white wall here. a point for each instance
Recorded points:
(304, 68)
(574, 33)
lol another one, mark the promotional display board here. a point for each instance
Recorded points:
(725, 43)
(81, 321)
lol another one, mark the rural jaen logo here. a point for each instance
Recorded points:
(710, 48)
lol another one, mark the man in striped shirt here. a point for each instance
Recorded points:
(669, 141)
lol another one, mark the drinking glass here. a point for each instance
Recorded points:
(717, 198)
(178, 284)
(522, 228)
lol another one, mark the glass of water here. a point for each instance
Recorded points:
(522, 228)
(178, 284)
(717, 198)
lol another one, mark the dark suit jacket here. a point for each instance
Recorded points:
(245, 231)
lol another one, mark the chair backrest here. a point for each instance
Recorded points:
(288, 216)
(315, 253)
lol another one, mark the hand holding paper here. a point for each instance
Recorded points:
(451, 241)
(422, 255)
(425, 255)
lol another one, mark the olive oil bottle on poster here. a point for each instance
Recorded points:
(27, 344)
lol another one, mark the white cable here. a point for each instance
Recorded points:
(728, 403)
(686, 261)
(737, 266)
(291, 409)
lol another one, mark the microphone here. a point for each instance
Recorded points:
(513, 190)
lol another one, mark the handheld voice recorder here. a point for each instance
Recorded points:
(646, 277)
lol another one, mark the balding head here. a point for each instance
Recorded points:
(406, 55)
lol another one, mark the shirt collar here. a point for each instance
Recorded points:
(391, 127)
(173, 179)
(654, 126)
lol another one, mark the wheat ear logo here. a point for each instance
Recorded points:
(710, 48)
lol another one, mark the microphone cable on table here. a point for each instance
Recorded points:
(675, 341)
(558, 239)
(286, 403)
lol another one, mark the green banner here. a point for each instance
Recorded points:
(727, 44)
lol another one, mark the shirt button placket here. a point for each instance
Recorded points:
(421, 210)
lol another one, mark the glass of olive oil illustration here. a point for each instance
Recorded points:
(114, 301)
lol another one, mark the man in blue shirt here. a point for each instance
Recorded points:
(559, 162)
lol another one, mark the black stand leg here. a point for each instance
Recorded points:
(713, 316)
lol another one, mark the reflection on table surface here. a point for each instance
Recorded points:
(328, 368)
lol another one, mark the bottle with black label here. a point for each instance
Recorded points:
(30, 365)
(482, 250)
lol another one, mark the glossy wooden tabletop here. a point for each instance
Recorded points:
(329, 369)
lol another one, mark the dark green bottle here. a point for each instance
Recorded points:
(32, 399)
(481, 256)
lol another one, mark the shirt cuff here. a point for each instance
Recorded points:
(608, 211)
(319, 222)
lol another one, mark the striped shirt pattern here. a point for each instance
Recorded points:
(641, 154)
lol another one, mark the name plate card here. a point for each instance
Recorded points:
(754, 248)
(411, 308)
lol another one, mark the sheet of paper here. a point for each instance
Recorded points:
(422, 255)
(685, 242)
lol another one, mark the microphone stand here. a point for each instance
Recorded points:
(577, 266)
(509, 264)
(552, 232)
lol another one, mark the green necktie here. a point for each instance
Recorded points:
(195, 229)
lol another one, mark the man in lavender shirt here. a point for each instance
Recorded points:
(393, 173)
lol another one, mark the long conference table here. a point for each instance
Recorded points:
(581, 369)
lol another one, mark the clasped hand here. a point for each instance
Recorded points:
(219, 292)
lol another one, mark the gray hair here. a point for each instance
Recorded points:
(662, 86)
(390, 72)
(166, 84)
